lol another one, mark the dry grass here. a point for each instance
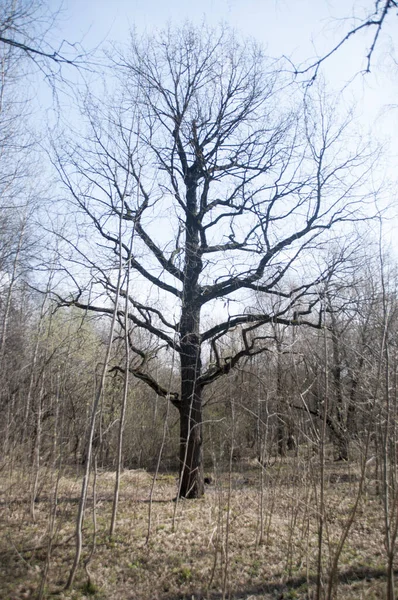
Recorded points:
(190, 560)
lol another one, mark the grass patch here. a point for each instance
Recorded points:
(190, 551)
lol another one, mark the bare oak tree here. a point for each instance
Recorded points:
(230, 184)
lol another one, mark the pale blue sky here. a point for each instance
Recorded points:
(283, 26)
(300, 29)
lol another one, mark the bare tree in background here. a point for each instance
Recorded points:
(230, 184)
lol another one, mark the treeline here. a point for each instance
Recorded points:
(343, 373)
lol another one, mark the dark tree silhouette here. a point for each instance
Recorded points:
(228, 184)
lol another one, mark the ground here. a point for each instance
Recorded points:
(253, 536)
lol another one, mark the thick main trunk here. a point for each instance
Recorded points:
(281, 430)
(341, 438)
(191, 452)
(343, 447)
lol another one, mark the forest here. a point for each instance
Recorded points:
(198, 320)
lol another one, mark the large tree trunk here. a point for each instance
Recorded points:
(342, 446)
(191, 453)
(341, 439)
(281, 428)
(191, 462)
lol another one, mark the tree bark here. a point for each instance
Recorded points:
(191, 453)
(341, 439)
(281, 428)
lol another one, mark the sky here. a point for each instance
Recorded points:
(285, 26)
(301, 30)
(298, 29)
